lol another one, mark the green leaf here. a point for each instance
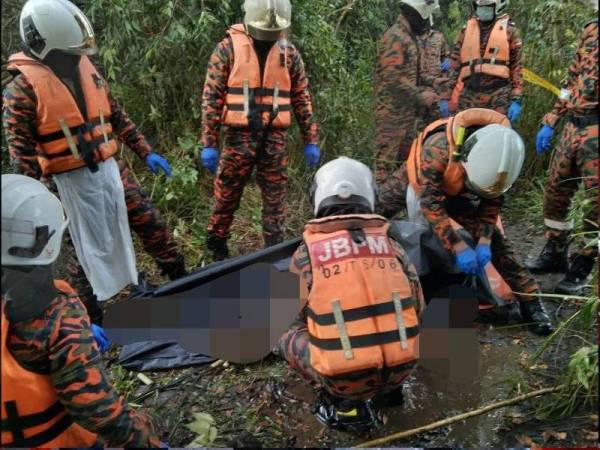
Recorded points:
(203, 426)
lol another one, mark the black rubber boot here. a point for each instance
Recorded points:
(554, 258)
(174, 270)
(577, 276)
(347, 415)
(273, 240)
(218, 248)
(535, 312)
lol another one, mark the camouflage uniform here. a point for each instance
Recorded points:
(477, 215)
(240, 152)
(576, 156)
(59, 343)
(19, 119)
(486, 91)
(407, 84)
(294, 344)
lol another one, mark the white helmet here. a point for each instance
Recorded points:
(56, 25)
(266, 20)
(494, 157)
(343, 181)
(499, 6)
(425, 8)
(33, 222)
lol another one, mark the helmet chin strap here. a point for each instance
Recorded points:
(28, 291)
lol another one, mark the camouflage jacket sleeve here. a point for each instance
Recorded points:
(127, 131)
(19, 121)
(516, 62)
(215, 91)
(582, 80)
(433, 165)
(300, 264)
(301, 99)
(455, 62)
(61, 343)
(487, 213)
(396, 73)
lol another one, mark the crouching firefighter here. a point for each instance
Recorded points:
(254, 84)
(458, 171)
(62, 125)
(55, 392)
(358, 336)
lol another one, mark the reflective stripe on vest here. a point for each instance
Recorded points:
(269, 95)
(496, 59)
(361, 314)
(454, 175)
(32, 414)
(67, 140)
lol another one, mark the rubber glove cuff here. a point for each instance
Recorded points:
(466, 261)
(312, 153)
(210, 159)
(484, 255)
(156, 162)
(100, 337)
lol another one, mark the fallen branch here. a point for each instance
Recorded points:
(459, 418)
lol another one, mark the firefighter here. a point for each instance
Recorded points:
(61, 125)
(409, 84)
(487, 71)
(55, 392)
(255, 82)
(358, 343)
(459, 168)
(574, 162)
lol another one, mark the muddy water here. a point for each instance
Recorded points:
(441, 388)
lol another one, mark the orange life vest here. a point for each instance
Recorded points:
(361, 311)
(32, 414)
(454, 176)
(60, 123)
(496, 59)
(247, 88)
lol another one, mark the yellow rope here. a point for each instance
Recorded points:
(532, 78)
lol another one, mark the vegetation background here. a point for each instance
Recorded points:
(154, 53)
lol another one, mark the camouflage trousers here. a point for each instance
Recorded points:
(394, 136)
(497, 99)
(294, 347)
(239, 157)
(146, 221)
(575, 162)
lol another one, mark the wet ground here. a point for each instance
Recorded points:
(267, 404)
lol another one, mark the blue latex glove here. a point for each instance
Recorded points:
(312, 155)
(466, 261)
(164, 445)
(544, 138)
(446, 65)
(100, 338)
(444, 109)
(155, 162)
(210, 159)
(514, 112)
(484, 255)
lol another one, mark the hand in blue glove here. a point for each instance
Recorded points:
(100, 338)
(484, 255)
(154, 162)
(544, 138)
(446, 65)
(164, 445)
(210, 159)
(514, 112)
(444, 109)
(466, 261)
(312, 155)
